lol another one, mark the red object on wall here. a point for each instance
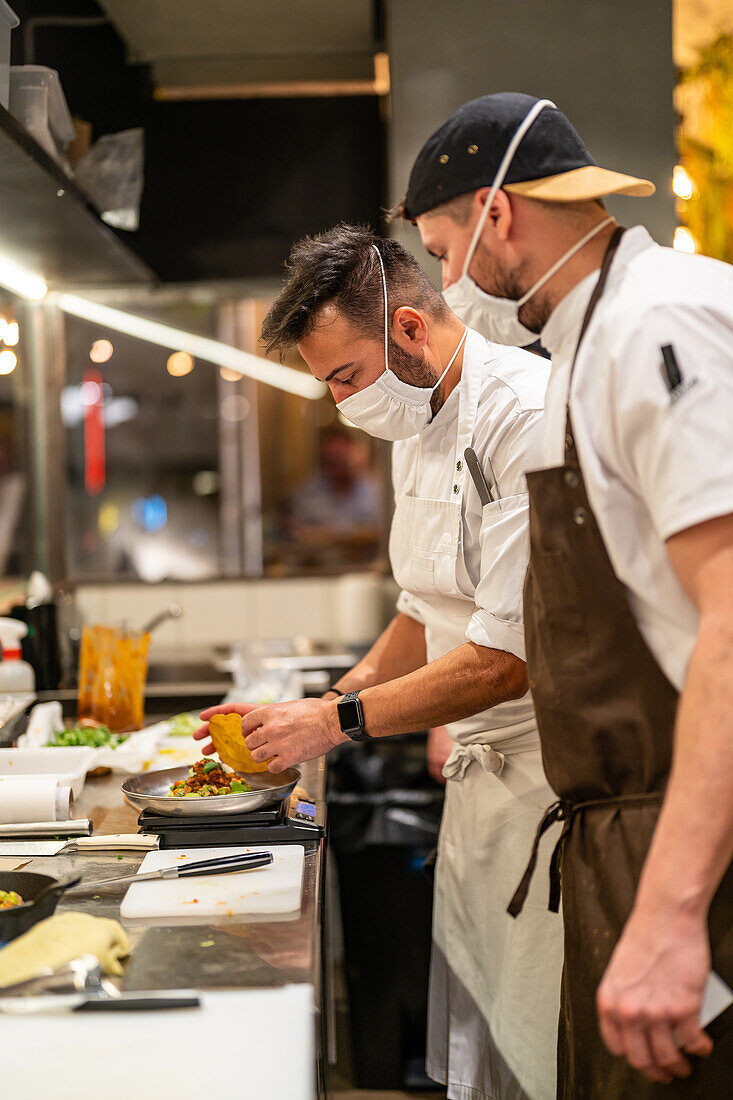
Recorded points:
(94, 456)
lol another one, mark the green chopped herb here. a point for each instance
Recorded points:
(210, 765)
(119, 857)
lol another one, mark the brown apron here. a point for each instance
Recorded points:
(606, 714)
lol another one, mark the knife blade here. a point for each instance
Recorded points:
(145, 1001)
(114, 842)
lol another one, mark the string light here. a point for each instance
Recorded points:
(684, 240)
(12, 334)
(101, 351)
(179, 364)
(8, 362)
(683, 184)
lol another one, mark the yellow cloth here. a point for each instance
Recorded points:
(58, 940)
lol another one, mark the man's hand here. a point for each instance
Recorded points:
(291, 733)
(650, 997)
(440, 746)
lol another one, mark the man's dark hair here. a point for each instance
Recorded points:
(341, 267)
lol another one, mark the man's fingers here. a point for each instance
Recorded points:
(201, 732)
(208, 749)
(255, 739)
(251, 722)
(227, 708)
(692, 1039)
(638, 1051)
(667, 1054)
(611, 1033)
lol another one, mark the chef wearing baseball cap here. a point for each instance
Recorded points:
(629, 593)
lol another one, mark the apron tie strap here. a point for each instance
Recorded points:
(565, 811)
(462, 756)
(558, 811)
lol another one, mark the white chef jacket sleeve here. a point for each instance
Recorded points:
(497, 621)
(675, 442)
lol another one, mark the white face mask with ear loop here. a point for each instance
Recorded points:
(496, 318)
(390, 408)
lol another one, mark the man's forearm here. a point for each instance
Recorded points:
(465, 681)
(398, 650)
(693, 842)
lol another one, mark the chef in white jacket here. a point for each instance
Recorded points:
(401, 366)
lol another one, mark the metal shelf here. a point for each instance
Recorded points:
(47, 225)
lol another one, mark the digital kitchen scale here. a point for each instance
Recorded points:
(292, 821)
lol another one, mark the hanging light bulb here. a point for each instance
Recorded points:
(12, 334)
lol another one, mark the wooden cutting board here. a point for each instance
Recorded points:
(274, 889)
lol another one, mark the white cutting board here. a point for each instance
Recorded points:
(274, 889)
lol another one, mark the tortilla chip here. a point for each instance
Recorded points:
(226, 734)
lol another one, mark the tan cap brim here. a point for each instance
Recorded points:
(582, 184)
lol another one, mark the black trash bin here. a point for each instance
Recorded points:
(381, 836)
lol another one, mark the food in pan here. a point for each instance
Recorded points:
(9, 899)
(207, 778)
(226, 734)
(88, 734)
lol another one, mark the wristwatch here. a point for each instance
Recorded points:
(351, 716)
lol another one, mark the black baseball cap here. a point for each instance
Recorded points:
(550, 163)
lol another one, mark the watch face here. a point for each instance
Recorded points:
(349, 715)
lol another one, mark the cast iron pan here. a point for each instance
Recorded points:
(40, 894)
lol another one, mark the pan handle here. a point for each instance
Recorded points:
(55, 889)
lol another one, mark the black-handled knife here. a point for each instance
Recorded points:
(244, 861)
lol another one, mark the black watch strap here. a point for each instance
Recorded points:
(351, 716)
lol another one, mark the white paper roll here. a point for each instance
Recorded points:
(34, 798)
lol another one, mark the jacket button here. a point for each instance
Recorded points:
(571, 479)
(459, 465)
(569, 442)
(456, 488)
(580, 516)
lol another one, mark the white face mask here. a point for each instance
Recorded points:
(390, 408)
(498, 318)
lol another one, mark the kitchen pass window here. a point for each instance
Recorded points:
(177, 469)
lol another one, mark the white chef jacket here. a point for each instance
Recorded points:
(491, 566)
(656, 459)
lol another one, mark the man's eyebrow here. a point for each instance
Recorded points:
(338, 370)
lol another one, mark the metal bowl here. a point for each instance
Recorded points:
(149, 791)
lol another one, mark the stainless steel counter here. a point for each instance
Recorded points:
(234, 953)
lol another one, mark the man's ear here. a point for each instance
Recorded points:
(501, 214)
(409, 329)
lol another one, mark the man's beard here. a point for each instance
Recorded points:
(513, 284)
(414, 370)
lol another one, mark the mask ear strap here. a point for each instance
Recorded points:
(502, 170)
(386, 320)
(563, 260)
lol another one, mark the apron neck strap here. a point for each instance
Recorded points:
(590, 310)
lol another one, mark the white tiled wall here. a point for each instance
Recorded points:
(340, 610)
